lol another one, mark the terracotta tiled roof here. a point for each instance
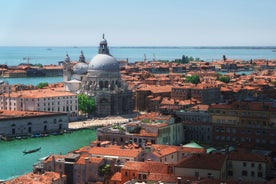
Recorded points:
(40, 93)
(203, 161)
(31, 178)
(83, 158)
(5, 114)
(153, 115)
(148, 166)
(163, 150)
(246, 156)
(155, 89)
(170, 178)
(112, 151)
(144, 133)
(200, 107)
(258, 106)
(116, 177)
(167, 101)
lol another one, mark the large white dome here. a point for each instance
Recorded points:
(104, 62)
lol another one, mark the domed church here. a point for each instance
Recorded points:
(100, 79)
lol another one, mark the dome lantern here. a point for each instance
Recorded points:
(103, 48)
(104, 61)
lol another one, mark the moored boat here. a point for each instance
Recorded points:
(31, 151)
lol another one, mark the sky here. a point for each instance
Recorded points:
(138, 22)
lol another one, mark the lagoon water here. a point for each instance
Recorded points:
(52, 55)
(13, 162)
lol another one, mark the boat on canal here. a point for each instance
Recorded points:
(31, 151)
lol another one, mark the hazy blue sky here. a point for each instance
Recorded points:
(138, 23)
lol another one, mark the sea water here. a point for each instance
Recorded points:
(13, 162)
(52, 55)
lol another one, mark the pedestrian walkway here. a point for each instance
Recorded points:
(98, 122)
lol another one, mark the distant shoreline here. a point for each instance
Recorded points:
(152, 47)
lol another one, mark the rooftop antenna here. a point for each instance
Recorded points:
(103, 36)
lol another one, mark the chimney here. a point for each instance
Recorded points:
(86, 160)
(179, 180)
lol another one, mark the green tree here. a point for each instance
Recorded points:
(42, 85)
(274, 82)
(191, 58)
(86, 104)
(39, 65)
(224, 79)
(193, 79)
(104, 170)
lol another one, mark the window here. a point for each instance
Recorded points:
(244, 164)
(260, 174)
(126, 174)
(230, 173)
(244, 173)
(252, 164)
(252, 173)
(210, 175)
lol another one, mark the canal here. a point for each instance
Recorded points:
(14, 162)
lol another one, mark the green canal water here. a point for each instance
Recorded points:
(13, 162)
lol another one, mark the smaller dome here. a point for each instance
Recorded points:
(80, 68)
(67, 58)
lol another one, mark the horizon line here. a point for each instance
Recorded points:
(151, 46)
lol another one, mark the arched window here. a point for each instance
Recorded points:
(112, 85)
(101, 85)
(106, 84)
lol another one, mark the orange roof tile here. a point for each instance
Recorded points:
(163, 150)
(147, 166)
(116, 177)
(111, 151)
(82, 159)
(40, 93)
(170, 178)
(31, 178)
(6, 114)
(246, 156)
(203, 161)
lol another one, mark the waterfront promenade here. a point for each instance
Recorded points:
(99, 122)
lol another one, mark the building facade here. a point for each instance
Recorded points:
(247, 124)
(47, 100)
(23, 123)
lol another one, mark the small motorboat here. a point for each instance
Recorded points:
(31, 151)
